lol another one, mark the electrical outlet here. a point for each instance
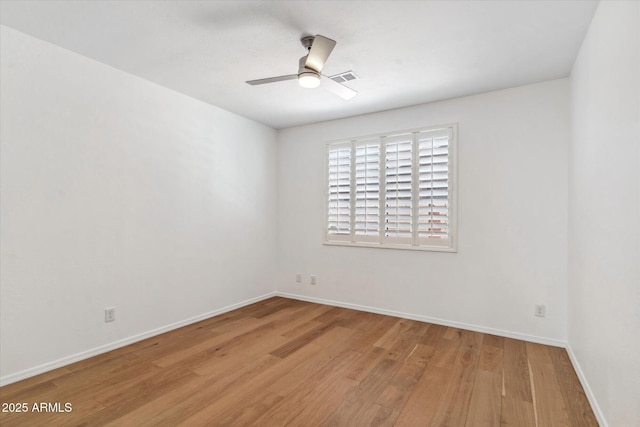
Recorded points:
(298, 278)
(313, 280)
(540, 310)
(109, 314)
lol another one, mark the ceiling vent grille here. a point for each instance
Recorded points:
(344, 77)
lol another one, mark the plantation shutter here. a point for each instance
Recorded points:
(433, 188)
(393, 191)
(397, 194)
(367, 191)
(339, 192)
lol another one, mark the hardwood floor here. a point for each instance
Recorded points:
(286, 362)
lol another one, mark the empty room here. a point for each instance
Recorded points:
(320, 213)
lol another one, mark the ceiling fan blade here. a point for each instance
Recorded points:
(273, 79)
(320, 50)
(339, 89)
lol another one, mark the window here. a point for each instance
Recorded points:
(395, 191)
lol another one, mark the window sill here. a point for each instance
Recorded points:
(391, 246)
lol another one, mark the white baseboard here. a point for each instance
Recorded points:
(437, 321)
(8, 379)
(587, 389)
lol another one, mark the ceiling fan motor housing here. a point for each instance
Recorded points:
(306, 76)
(302, 68)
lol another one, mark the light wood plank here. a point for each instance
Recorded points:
(517, 413)
(486, 400)
(549, 405)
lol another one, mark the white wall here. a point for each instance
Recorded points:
(119, 192)
(604, 213)
(512, 221)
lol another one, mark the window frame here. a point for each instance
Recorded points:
(415, 242)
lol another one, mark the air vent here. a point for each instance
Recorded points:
(344, 77)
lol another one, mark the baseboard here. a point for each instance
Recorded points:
(18, 376)
(587, 389)
(437, 321)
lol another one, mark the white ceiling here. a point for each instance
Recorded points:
(405, 52)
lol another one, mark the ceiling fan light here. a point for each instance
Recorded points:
(309, 80)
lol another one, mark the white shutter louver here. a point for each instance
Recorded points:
(398, 181)
(339, 197)
(367, 191)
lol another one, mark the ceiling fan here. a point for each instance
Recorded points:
(311, 65)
